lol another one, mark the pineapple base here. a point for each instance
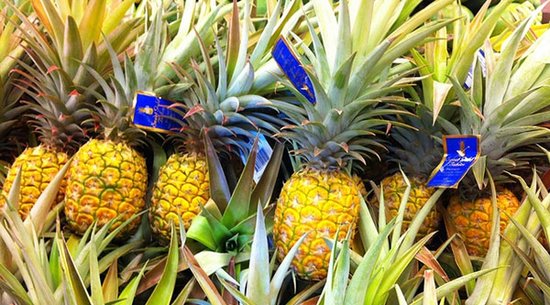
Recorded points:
(320, 203)
(472, 219)
(39, 165)
(182, 187)
(106, 180)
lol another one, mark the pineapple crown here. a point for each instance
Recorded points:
(225, 106)
(357, 87)
(417, 150)
(11, 51)
(508, 108)
(63, 48)
(451, 52)
(115, 101)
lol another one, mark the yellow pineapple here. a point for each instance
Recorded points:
(350, 91)
(107, 179)
(39, 166)
(182, 188)
(319, 202)
(223, 107)
(417, 152)
(473, 218)
(394, 188)
(506, 109)
(61, 51)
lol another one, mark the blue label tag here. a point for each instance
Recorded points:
(153, 113)
(293, 69)
(480, 58)
(460, 154)
(262, 157)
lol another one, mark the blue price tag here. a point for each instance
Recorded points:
(293, 69)
(153, 113)
(262, 157)
(460, 154)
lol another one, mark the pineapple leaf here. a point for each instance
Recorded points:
(452, 286)
(219, 189)
(115, 16)
(13, 287)
(72, 50)
(498, 79)
(356, 291)
(110, 284)
(163, 291)
(238, 207)
(258, 288)
(202, 278)
(77, 288)
(264, 189)
(481, 29)
(94, 15)
(234, 41)
(127, 295)
(327, 25)
(95, 280)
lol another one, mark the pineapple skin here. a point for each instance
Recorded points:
(362, 188)
(39, 165)
(472, 219)
(318, 202)
(394, 188)
(106, 179)
(182, 188)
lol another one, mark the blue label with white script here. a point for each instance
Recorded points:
(460, 154)
(154, 113)
(262, 156)
(293, 69)
(479, 58)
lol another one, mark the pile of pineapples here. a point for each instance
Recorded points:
(260, 194)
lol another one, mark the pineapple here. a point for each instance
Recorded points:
(417, 152)
(506, 110)
(472, 218)
(109, 176)
(223, 108)
(322, 199)
(61, 57)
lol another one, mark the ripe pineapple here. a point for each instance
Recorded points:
(322, 198)
(418, 153)
(116, 172)
(107, 179)
(222, 107)
(473, 218)
(180, 191)
(506, 110)
(59, 67)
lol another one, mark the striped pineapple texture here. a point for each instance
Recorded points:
(106, 180)
(38, 165)
(320, 203)
(472, 218)
(181, 189)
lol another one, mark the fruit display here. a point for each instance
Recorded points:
(274, 152)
